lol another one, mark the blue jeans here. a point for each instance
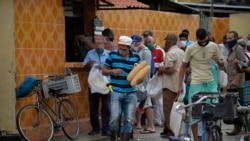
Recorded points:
(122, 103)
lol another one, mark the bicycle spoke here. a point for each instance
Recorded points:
(69, 118)
(34, 124)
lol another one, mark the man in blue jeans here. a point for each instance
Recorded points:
(123, 98)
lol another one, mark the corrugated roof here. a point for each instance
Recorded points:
(128, 3)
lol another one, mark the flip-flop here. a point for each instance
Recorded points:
(137, 128)
(147, 131)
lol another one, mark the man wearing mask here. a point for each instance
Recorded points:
(183, 37)
(200, 56)
(98, 56)
(189, 41)
(123, 98)
(158, 61)
(170, 78)
(146, 103)
(235, 77)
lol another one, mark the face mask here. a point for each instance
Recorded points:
(123, 52)
(203, 43)
(150, 47)
(231, 43)
(134, 48)
(99, 50)
(183, 43)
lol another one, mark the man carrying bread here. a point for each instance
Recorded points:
(118, 65)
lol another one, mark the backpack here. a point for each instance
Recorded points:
(26, 86)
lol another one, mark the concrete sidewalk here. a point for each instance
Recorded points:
(141, 137)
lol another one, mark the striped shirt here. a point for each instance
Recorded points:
(115, 61)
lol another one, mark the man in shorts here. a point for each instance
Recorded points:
(200, 56)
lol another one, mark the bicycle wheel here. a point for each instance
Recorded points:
(34, 124)
(215, 133)
(69, 118)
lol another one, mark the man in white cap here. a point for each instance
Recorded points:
(123, 98)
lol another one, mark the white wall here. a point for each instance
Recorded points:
(240, 23)
(7, 67)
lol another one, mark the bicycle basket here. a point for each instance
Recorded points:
(225, 105)
(26, 86)
(69, 85)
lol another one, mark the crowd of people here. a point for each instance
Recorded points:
(185, 66)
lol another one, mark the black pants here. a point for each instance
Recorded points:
(94, 111)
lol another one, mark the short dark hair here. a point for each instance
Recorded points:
(186, 31)
(183, 34)
(236, 35)
(147, 33)
(201, 33)
(109, 33)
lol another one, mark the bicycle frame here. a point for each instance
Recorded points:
(48, 116)
(41, 102)
(205, 132)
(203, 120)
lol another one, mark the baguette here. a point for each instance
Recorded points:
(135, 70)
(140, 75)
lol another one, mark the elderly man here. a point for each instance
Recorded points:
(235, 77)
(98, 56)
(158, 61)
(123, 98)
(170, 75)
(145, 103)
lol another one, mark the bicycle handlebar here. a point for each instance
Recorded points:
(199, 101)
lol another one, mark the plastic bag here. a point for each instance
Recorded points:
(176, 118)
(26, 86)
(223, 80)
(97, 81)
(154, 87)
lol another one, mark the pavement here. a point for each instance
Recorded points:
(83, 136)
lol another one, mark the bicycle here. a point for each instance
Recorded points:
(42, 120)
(244, 113)
(210, 129)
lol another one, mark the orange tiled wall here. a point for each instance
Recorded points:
(40, 45)
(220, 26)
(128, 22)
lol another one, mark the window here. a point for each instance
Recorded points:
(75, 52)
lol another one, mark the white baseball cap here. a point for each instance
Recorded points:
(125, 40)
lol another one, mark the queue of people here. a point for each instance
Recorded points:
(180, 61)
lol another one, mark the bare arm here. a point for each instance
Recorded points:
(86, 42)
(166, 70)
(181, 77)
(108, 71)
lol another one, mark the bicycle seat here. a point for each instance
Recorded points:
(243, 110)
(55, 90)
(207, 115)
